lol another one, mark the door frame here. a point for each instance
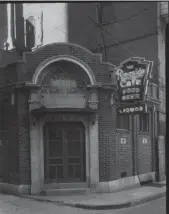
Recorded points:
(37, 149)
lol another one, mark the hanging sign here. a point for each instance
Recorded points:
(132, 79)
(132, 109)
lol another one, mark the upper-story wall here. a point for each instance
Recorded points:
(49, 21)
(132, 33)
(3, 25)
(81, 30)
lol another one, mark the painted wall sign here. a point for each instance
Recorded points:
(132, 109)
(133, 78)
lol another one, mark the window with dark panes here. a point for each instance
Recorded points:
(144, 122)
(122, 122)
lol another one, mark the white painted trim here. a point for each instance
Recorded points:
(66, 58)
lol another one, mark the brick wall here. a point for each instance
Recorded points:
(9, 137)
(124, 155)
(35, 58)
(107, 138)
(23, 136)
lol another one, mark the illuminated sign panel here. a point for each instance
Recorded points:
(132, 80)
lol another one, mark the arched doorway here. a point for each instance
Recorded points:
(65, 106)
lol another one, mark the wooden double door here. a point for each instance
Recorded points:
(64, 152)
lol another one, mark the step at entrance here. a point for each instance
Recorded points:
(65, 192)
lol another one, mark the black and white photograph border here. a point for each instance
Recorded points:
(73, 75)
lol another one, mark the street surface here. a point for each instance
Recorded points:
(16, 205)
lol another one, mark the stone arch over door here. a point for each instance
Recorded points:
(39, 71)
(97, 70)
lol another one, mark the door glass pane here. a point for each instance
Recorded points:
(54, 133)
(52, 172)
(70, 171)
(73, 148)
(55, 148)
(60, 172)
(73, 134)
(77, 171)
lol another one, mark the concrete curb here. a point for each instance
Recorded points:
(100, 207)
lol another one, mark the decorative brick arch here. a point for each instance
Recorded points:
(68, 58)
(91, 63)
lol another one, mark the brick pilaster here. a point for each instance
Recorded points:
(107, 137)
(23, 137)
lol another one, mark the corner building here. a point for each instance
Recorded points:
(59, 126)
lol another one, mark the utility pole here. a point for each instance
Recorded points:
(167, 115)
(98, 23)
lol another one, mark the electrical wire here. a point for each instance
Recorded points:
(111, 36)
(125, 18)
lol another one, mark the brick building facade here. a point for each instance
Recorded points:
(59, 126)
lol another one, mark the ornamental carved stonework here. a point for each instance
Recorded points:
(93, 99)
(61, 82)
(63, 88)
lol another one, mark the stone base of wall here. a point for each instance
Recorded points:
(14, 189)
(123, 183)
(102, 187)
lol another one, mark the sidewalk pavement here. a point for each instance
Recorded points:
(103, 201)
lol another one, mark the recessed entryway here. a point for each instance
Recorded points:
(64, 152)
